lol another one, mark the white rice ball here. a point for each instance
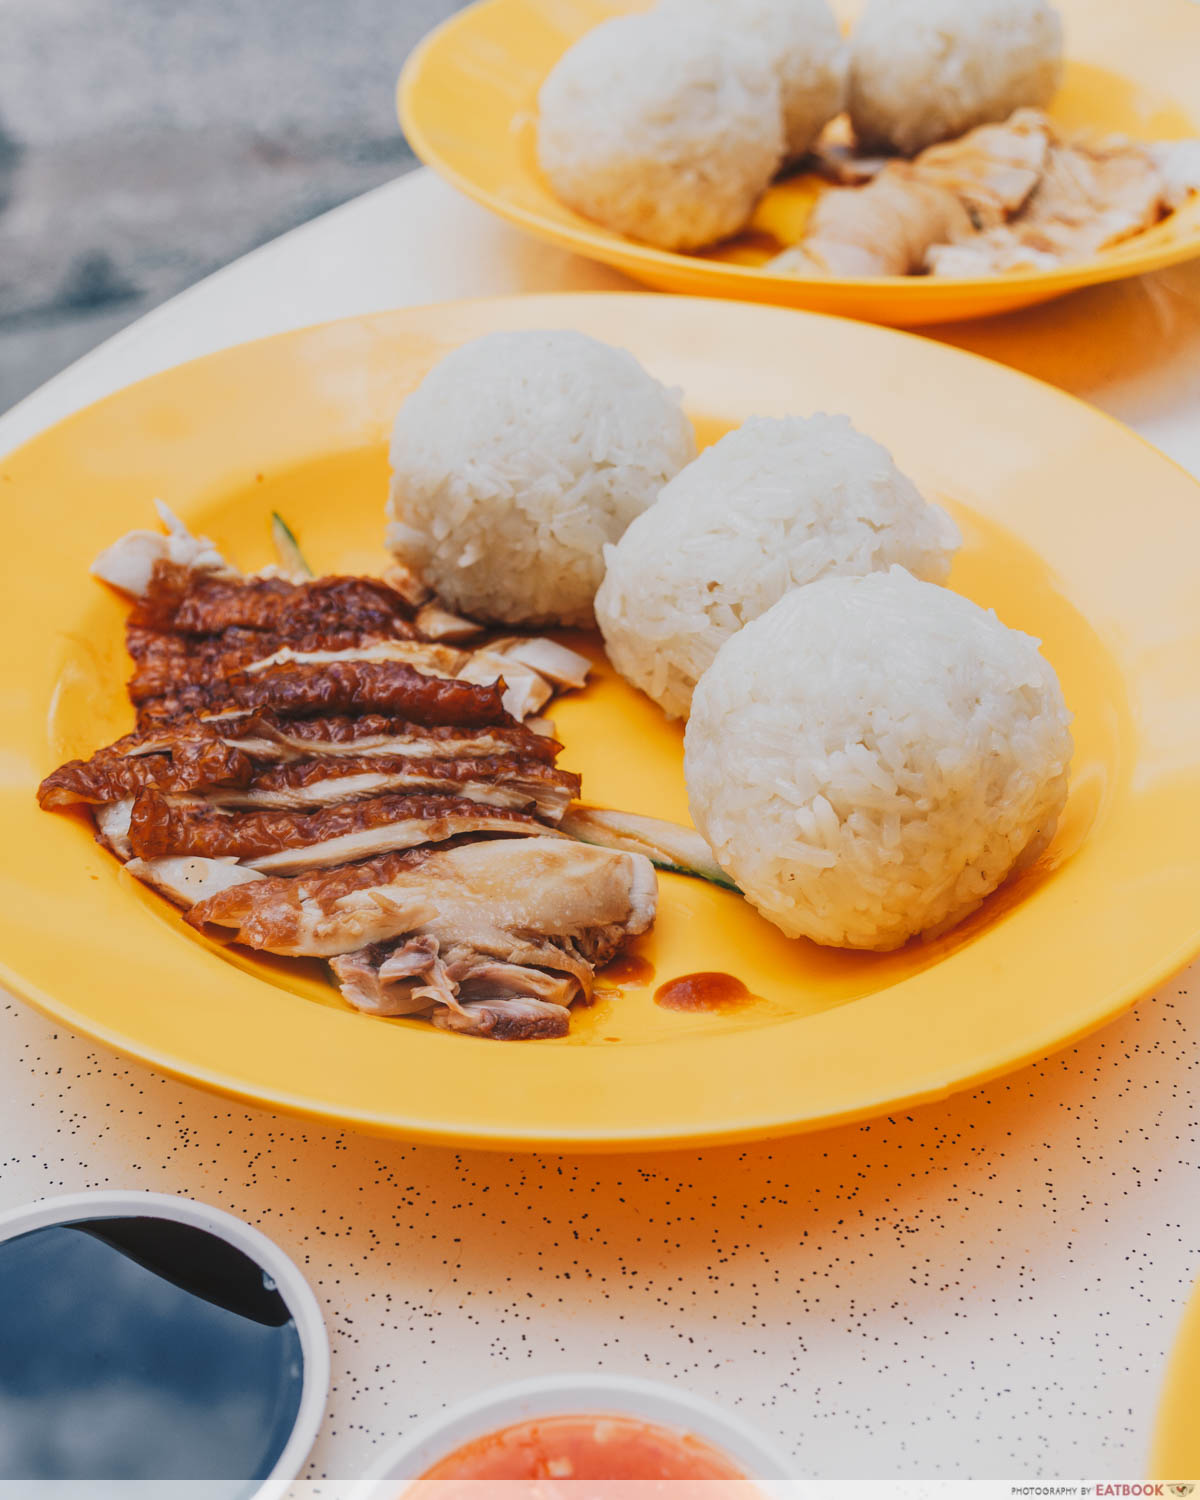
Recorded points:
(805, 47)
(777, 503)
(666, 133)
(516, 459)
(871, 758)
(925, 70)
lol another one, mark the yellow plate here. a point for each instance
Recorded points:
(1075, 530)
(468, 104)
(1176, 1450)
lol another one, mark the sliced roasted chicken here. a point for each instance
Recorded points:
(195, 759)
(288, 842)
(269, 737)
(166, 666)
(433, 658)
(182, 601)
(506, 886)
(501, 781)
(376, 790)
(301, 690)
(113, 820)
(187, 878)
(249, 754)
(483, 929)
(528, 671)
(191, 632)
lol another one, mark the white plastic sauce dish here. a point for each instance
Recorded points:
(428, 1443)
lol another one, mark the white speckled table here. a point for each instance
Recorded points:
(982, 1288)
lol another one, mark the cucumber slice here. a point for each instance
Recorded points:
(287, 548)
(667, 845)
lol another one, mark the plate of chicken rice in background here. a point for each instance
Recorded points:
(902, 161)
(323, 827)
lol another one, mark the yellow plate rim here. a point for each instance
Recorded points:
(469, 1133)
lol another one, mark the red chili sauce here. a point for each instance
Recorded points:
(585, 1447)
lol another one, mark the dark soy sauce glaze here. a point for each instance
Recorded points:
(142, 1349)
(703, 992)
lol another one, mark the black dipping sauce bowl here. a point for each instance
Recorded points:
(150, 1339)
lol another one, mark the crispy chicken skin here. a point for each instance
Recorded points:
(193, 637)
(180, 661)
(307, 690)
(183, 602)
(165, 663)
(499, 781)
(168, 663)
(195, 761)
(256, 754)
(301, 774)
(160, 825)
(376, 734)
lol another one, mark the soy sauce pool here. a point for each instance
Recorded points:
(142, 1349)
(630, 968)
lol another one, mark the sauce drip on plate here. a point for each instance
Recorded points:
(588, 1448)
(630, 968)
(702, 992)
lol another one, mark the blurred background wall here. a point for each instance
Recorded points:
(144, 143)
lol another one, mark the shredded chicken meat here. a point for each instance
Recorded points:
(1023, 194)
(488, 923)
(322, 768)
